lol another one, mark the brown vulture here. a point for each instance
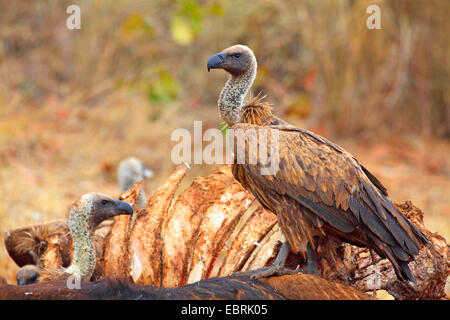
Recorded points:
(49, 246)
(320, 193)
(84, 216)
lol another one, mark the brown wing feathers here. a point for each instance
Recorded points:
(332, 217)
(338, 149)
(374, 180)
(331, 184)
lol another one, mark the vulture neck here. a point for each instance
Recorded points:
(233, 93)
(83, 262)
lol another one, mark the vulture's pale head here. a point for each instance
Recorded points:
(93, 208)
(130, 171)
(27, 275)
(236, 60)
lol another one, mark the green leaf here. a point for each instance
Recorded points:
(181, 30)
(164, 89)
(224, 127)
(186, 22)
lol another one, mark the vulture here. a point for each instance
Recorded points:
(28, 274)
(46, 245)
(130, 171)
(84, 216)
(320, 193)
(38, 247)
(49, 246)
(28, 245)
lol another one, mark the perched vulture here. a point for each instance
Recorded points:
(49, 246)
(130, 171)
(39, 247)
(320, 192)
(28, 245)
(84, 216)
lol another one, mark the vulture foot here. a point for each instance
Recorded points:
(312, 265)
(271, 271)
(276, 269)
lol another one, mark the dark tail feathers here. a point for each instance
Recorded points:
(404, 273)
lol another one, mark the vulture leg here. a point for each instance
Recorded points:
(377, 272)
(277, 268)
(312, 265)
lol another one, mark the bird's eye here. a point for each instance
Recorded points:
(236, 55)
(104, 202)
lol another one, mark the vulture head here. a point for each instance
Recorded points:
(28, 274)
(84, 216)
(236, 60)
(130, 171)
(93, 208)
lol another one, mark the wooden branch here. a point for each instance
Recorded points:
(182, 225)
(236, 287)
(116, 244)
(430, 267)
(144, 244)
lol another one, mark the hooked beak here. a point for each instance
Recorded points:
(216, 61)
(124, 207)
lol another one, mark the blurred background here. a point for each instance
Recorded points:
(74, 103)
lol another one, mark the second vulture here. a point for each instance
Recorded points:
(321, 194)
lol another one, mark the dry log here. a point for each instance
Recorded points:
(265, 251)
(181, 227)
(252, 227)
(218, 222)
(116, 246)
(144, 247)
(300, 286)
